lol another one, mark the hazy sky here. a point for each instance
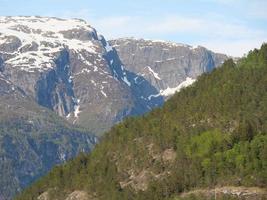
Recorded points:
(227, 26)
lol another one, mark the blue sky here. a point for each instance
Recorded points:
(227, 26)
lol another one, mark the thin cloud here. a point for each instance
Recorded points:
(233, 38)
(219, 33)
(207, 27)
(236, 48)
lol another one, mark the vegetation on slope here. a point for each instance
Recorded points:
(210, 134)
(33, 139)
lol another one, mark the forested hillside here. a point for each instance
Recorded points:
(212, 133)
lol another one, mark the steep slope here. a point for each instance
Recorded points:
(67, 67)
(32, 140)
(210, 134)
(166, 65)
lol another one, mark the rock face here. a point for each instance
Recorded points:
(166, 66)
(50, 64)
(66, 66)
(33, 139)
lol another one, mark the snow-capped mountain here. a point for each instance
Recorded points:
(65, 65)
(167, 66)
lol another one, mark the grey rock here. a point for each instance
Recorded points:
(29, 47)
(79, 34)
(12, 44)
(172, 62)
(74, 72)
(32, 140)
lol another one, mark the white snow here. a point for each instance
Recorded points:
(150, 42)
(93, 82)
(170, 59)
(68, 116)
(85, 70)
(170, 91)
(156, 75)
(70, 79)
(153, 95)
(85, 61)
(95, 69)
(108, 47)
(42, 30)
(126, 81)
(174, 44)
(194, 47)
(135, 79)
(62, 157)
(103, 93)
(76, 111)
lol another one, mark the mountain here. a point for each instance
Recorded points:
(167, 66)
(208, 138)
(61, 83)
(33, 139)
(66, 66)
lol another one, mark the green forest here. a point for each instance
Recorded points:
(210, 134)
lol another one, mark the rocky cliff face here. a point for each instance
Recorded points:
(166, 66)
(67, 67)
(50, 64)
(32, 139)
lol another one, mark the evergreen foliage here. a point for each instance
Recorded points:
(216, 127)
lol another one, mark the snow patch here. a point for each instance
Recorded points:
(153, 96)
(70, 79)
(108, 47)
(156, 75)
(76, 111)
(126, 81)
(68, 116)
(135, 79)
(150, 42)
(95, 69)
(105, 95)
(93, 82)
(170, 91)
(62, 157)
(47, 34)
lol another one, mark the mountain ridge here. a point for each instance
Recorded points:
(165, 64)
(61, 62)
(63, 86)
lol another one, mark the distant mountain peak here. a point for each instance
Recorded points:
(31, 42)
(66, 66)
(153, 41)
